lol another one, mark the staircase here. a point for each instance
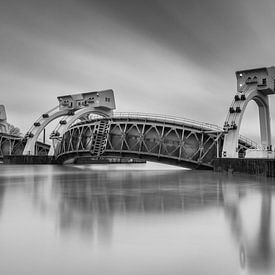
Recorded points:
(101, 131)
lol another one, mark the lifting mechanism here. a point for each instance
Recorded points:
(257, 85)
(72, 108)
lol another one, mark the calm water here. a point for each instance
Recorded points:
(58, 220)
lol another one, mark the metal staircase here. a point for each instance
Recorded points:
(99, 143)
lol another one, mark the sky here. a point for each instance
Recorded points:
(175, 57)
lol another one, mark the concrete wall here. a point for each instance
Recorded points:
(10, 159)
(263, 167)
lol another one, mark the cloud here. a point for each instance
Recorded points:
(172, 57)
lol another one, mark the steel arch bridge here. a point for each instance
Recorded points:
(14, 145)
(72, 108)
(151, 137)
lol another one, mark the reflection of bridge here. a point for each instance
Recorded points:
(152, 137)
(94, 207)
(135, 192)
(90, 202)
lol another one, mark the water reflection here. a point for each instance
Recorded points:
(256, 254)
(113, 192)
(2, 191)
(90, 203)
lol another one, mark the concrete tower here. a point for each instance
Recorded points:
(255, 84)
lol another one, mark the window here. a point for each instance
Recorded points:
(255, 79)
(264, 81)
(107, 99)
(91, 100)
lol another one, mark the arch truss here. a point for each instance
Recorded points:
(255, 84)
(169, 140)
(71, 108)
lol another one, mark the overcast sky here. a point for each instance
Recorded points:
(175, 57)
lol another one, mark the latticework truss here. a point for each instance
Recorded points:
(152, 140)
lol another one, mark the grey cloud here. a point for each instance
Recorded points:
(174, 57)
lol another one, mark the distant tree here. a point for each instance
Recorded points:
(12, 130)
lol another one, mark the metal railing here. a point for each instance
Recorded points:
(168, 118)
(249, 141)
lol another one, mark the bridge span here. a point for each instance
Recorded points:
(14, 145)
(152, 137)
(11, 142)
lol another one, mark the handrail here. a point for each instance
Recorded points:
(249, 141)
(168, 118)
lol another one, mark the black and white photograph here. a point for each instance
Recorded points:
(137, 137)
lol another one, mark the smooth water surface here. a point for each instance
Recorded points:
(101, 220)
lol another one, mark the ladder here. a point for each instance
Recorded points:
(101, 131)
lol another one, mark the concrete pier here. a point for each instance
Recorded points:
(262, 167)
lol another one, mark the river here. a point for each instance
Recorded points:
(118, 219)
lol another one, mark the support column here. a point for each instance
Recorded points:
(257, 85)
(265, 129)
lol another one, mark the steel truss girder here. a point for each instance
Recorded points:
(146, 138)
